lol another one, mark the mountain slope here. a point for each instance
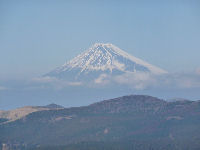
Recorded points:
(12, 115)
(102, 59)
(137, 119)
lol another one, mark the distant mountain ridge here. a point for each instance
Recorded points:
(53, 106)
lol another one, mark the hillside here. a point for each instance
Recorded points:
(130, 120)
(12, 115)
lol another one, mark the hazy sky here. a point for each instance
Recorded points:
(37, 36)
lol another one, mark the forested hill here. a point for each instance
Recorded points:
(131, 122)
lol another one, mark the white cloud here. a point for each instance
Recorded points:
(137, 80)
(3, 88)
(74, 83)
(184, 80)
(45, 79)
(198, 71)
(52, 82)
(103, 79)
(141, 80)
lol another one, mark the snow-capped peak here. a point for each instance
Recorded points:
(103, 56)
(108, 58)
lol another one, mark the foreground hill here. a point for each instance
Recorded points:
(12, 115)
(129, 122)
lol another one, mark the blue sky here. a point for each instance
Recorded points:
(37, 36)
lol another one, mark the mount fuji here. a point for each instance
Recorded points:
(102, 60)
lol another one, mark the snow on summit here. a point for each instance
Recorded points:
(104, 59)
